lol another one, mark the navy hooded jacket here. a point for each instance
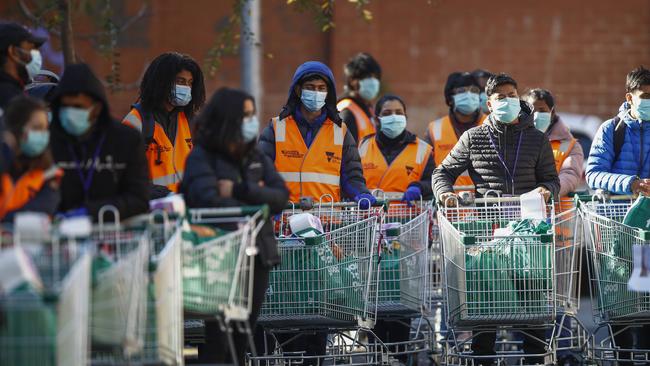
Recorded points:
(352, 180)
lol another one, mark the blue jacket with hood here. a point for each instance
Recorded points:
(352, 180)
(616, 176)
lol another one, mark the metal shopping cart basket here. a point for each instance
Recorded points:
(323, 284)
(119, 289)
(571, 336)
(496, 275)
(403, 278)
(163, 339)
(218, 267)
(617, 311)
(45, 322)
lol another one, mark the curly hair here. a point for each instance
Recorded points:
(160, 78)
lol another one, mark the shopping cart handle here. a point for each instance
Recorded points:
(237, 211)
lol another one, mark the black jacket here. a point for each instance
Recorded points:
(391, 148)
(474, 152)
(256, 183)
(120, 174)
(9, 89)
(348, 117)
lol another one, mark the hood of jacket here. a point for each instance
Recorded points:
(307, 69)
(79, 78)
(525, 120)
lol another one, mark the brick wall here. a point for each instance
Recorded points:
(579, 50)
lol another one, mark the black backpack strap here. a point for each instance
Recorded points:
(147, 125)
(619, 136)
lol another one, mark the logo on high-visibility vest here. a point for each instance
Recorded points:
(330, 155)
(409, 170)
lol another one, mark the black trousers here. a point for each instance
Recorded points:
(393, 331)
(483, 345)
(216, 348)
(625, 340)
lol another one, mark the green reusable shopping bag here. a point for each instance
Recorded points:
(389, 271)
(490, 289)
(352, 283)
(639, 214)
(616, 299)
(28, 334)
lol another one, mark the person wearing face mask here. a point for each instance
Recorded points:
(394, 151)
(32, 182)
(506, 154)
(171, 92)
(567, 152)
(482, 77)
(462, 97)
(618, 160)
(363, 75)
(312, 149)
(618, 163)
(226, 169)
(20, 60)
(103, 160)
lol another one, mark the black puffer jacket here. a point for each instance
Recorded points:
(256, 183)
(475, 153)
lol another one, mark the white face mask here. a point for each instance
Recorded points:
(393, 125)
(250, 127)
(181, 96)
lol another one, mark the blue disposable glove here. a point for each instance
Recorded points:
(76, 212)
(413, 193)
(365, 200)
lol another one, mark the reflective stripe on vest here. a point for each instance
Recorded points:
(16, 195)
(407, 167)
(309, 172)
(561, 151)
(166, 161)
(365, 126)
(443, 138)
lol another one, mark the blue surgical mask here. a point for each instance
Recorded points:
(466, 103)
(33, 67)
(181, 96)
(250, 127)
(506, 110)
(393, 125)
(369, 88)
(542, 120)
(483, 101)
(313, 100)
(642, 108)
(35, 143)
(75, 121)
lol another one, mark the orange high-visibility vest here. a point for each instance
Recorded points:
(443, 138)
(365, 126)
(561, 151)
(166, 160)
(407, 167)
(16, 195)
(314, 171)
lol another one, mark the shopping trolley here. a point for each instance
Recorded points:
(617, 311)
(218, 269)
(47, 324)
(163, 339)
(571, 335)
(403, 289)
(496, 277)
(323, 284)
(119, 289)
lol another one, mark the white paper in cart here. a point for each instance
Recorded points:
(640, 278)
(16, 269)
(533, 206)
(305, 225)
